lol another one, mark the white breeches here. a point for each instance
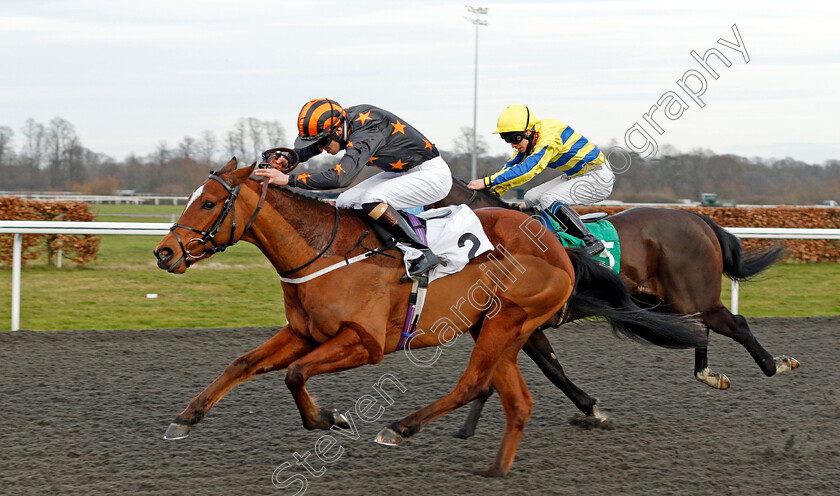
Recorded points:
(587, 189)
(425, 184)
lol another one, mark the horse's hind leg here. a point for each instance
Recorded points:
(345, 350)
(274, 354)
(499, 339)
(539, 349)
(724, 322)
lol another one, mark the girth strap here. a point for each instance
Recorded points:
(415, 307)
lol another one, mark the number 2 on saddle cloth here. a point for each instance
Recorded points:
(455, 235)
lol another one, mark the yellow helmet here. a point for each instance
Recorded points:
(515, 118)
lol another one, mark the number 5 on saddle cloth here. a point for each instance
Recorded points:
(598, 226)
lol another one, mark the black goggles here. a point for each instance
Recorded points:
(513, 137)
(325, 141)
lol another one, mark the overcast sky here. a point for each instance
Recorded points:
(129, 74)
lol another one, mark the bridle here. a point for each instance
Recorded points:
(208, 235)
(292, 160)
(230, 207)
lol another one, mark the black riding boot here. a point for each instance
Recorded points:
(388, 217)
(563, 212)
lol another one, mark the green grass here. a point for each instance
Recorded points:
(137, 209)
(790, 290)
(240, 288)
(138, 213)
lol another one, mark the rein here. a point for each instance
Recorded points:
(473, 197)
(208, 235)
(474, 194)
(307, 264)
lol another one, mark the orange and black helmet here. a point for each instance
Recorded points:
(319, 118)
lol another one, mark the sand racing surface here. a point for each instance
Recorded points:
(83, 413)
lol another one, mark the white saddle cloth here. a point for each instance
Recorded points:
(454, 234)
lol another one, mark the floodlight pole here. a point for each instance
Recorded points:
(477, 19)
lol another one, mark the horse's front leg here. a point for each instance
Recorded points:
(346, 350)
(276, 353)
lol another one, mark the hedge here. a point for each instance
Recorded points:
(803, 250)
(77, 248)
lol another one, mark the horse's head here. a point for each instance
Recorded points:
(209, 223)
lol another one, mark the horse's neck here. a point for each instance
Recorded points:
(482, 198)
(291, 230)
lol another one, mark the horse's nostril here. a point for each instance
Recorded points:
(164, 254)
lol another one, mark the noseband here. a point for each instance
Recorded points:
(208, 235)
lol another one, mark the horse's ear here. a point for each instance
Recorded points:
(229, 166)
(240, 175)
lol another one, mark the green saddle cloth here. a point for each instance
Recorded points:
(601, 229)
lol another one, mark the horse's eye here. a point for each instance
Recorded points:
(208, 205)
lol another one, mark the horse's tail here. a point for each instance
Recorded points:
(740, 265)
(600, 292)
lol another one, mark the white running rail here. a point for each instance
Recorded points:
(21, 227)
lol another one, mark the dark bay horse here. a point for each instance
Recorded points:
(353, 316)
(672, 261)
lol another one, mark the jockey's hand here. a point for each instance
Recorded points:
(274, 176)
(278, 162)
(476, 184)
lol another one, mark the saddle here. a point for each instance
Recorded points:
(601, 229)
(454, 234)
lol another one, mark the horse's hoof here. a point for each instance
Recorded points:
(588, 422)
(785, 363)
(597, 415)
(176, 431)
(462, 434)
(388, 437)
(491, 471)
(339, 420)
(717, 380)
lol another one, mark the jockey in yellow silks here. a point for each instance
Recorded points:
(540, 143)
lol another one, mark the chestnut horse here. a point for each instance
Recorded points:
(672, 260)
(353, 316)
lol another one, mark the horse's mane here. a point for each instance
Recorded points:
(306, 200)
(315, 208)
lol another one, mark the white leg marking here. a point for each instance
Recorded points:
(598, 415)
(785, 363)
(717, 381)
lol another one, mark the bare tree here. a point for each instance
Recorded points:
(33, 147)
(206, 147)
(187, 147)
(464, 142)
(275, 135)
(61, 140)
(162, 154)
(235, 143)
(6, 150)
(256, 137)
